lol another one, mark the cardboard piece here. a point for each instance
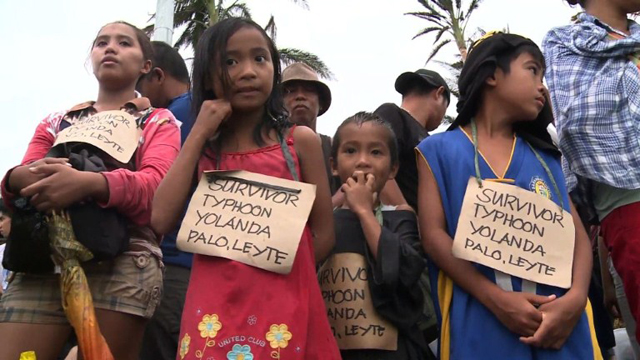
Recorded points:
(516, 231)
(115, 132)
(252, 218)
(353, 319)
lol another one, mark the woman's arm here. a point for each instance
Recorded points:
(309, 150)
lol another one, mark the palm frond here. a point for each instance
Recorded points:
(237, 10)
(445, 5)
(437, 48)
(458, 4)
(473, 6)
(289, 56)
(426, 31)
(271, 28)
(440, 33)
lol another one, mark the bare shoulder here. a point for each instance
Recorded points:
(304, 137)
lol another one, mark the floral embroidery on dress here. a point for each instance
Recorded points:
(184, 345)
(240, 352)
(278, 337)
(208, 327)
(252, 320)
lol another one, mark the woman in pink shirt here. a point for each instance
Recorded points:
(126, 288)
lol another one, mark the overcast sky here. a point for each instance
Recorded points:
(366, 44)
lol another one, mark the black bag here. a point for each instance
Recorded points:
(27, 248)
(102, 231)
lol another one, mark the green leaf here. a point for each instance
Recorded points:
(289, 56)
(426, 31)
(437, 48)
(271, 28)
(440, 33)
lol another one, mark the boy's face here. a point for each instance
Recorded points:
(364, 148)
(521, 90)
(150, 86)
(5, 224)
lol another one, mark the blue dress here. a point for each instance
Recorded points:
(469, 329)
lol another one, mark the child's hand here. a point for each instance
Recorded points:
(517, 311)
(358, 191)
(212, 114)
(60, 187)
(559, 317)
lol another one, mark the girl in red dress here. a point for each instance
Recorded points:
(232, 310)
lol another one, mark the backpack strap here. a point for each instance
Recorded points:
(288, 157)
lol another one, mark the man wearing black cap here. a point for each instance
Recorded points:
(425, 98)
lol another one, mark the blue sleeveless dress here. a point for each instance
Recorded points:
(469, 329)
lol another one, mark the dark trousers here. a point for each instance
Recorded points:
(160, 340)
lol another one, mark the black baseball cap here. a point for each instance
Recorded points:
(408, 80)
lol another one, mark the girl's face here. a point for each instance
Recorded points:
(117, 57)
(364, 148)
(250, 71)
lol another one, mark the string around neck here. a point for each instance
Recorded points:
(474, 135)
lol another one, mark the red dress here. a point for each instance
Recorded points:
(239, 312)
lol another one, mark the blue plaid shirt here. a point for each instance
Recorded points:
(595, 93)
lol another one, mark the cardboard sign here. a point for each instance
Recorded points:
(114, 132)
(255, 219)
(354, 321)
(516, 231)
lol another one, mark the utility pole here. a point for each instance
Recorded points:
(163, 27)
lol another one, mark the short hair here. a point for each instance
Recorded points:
(169, 60)
(365, 117)
(418, 87)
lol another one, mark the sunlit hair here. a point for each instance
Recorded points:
(209, 53)
(367, 117)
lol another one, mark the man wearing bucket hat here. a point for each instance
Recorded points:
(425, 98)
(306, 98)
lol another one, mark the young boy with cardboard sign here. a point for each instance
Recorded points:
(474, 199)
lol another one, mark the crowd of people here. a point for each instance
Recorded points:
(387, 206)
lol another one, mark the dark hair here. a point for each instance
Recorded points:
(419, 87)
(210, 52)
(4, 210)
(169, 60)
(365, 117)
(582, 3)
(143, 39)
(504, 60)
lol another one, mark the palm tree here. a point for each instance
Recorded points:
(197, 15)
(446, 17)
